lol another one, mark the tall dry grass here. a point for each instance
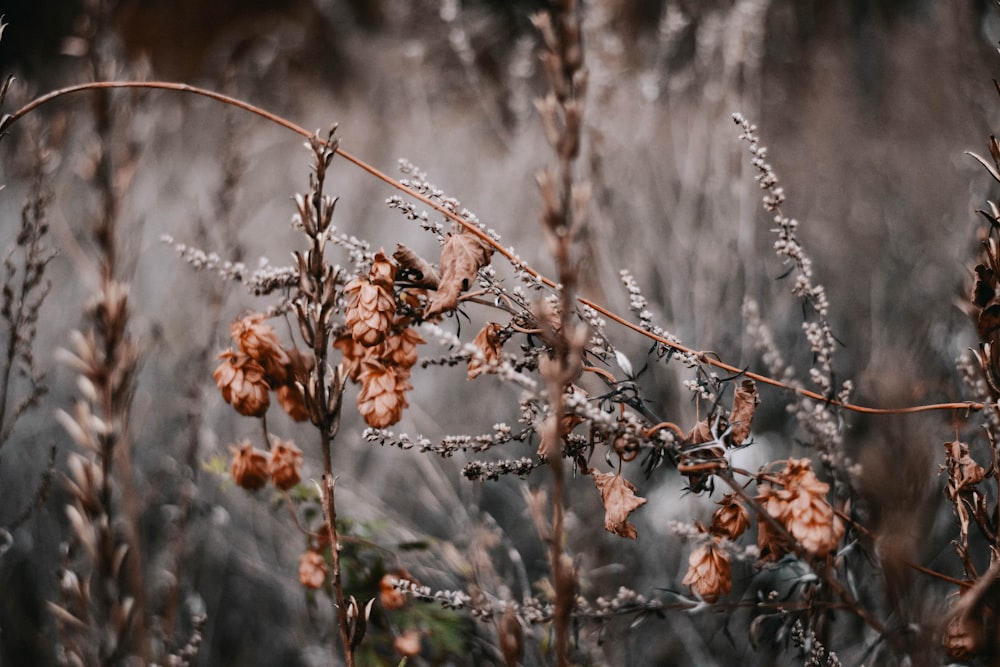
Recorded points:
(609, 436)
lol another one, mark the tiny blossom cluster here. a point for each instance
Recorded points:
(699, 389)
(268, 279)
(766, 177)
(448, 599)
(817, 654)
(624, 601)
(492, 470)
(210, 261)
(763, 340)
(505, 371)
(449, 445)
(593, 318)
(637, 304)
(409, 210)
(521, 273)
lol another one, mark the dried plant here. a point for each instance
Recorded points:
(783, 542)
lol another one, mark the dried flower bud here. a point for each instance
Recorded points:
(241, 380)
(354, 354)
(400, 349)
(382, 398)
(383, 271)
(731, 519)
(312, 569)
(801, 507)
(249, 466)
(511, 638)
(293, 402)
(408, 643)
(488, 343)
(370, 311)
(285, 465)
(709, 574)
(963, 636)
(770, 543)
(390, 597)
(257, 340)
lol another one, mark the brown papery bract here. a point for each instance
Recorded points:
(257, 339)
(285, 466)
(382, 398)
(709, 573)
(242, 382)
(800, 506)
(313, 569)
(370, 311)
(249, 468)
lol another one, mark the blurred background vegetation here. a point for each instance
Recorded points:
(866, 108)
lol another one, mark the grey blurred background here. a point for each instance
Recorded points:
(866, 108)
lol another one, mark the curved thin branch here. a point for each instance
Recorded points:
(9, 119)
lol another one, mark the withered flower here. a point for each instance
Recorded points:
(370, 311)
(770, 542)
(390, 597)
(249, 468)
(293, 402)
(709, 574)
(285, 465)
(241, 380)
(382, 398)
(383, 271)
(963, 636)
(312, 569)
(731, 519)
(257, 340)
(801, 507)
(354, 354)
(408, 643)
(400, 348)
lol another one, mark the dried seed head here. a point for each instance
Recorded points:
(709, 574)
(370, 311)
(511, 638)
(241, 380)
(354, 354)
(383, 271)
(249, 467)
(293, 402)
(408, 643)
(801, 507)
(390, 597)
(382, 398)
(400, 349)
(312, 569)
(731, 519)
(285, 465)
(964, 636)
(257, 339)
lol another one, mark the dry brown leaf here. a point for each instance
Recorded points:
(963, 471)
(461, 258)
(702, 432)
(620, 500)
(488, 342)
(415, 268)
(745, 401)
